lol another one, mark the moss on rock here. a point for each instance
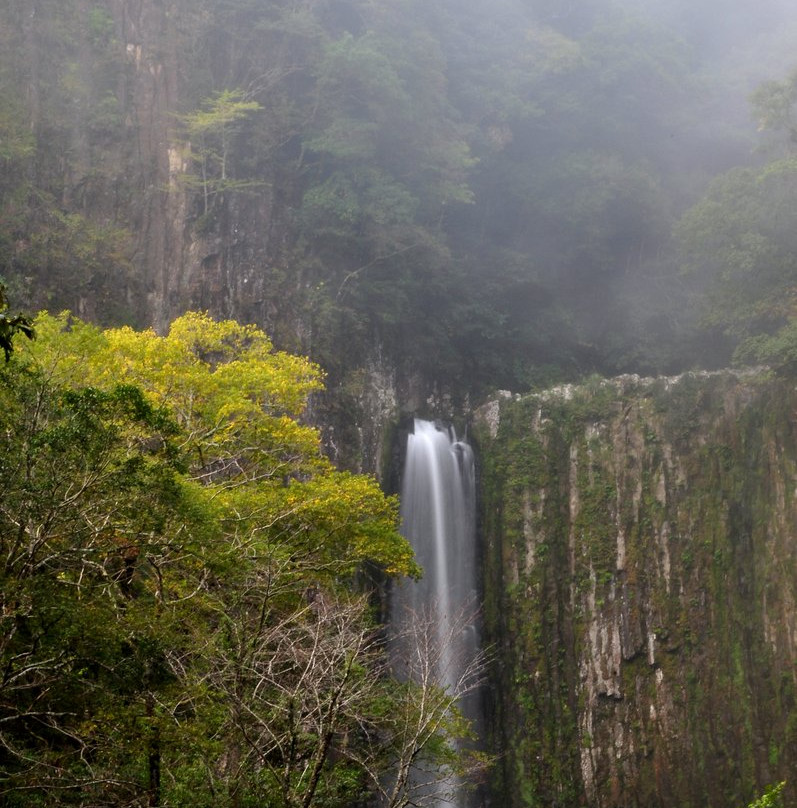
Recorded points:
(641, 590)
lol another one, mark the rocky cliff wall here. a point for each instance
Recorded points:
(641, 596)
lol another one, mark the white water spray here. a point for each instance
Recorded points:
(438, 519)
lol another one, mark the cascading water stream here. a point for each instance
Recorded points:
(438, 515)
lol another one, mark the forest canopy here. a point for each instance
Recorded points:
(480, 191)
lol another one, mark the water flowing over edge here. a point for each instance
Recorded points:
(434, 624)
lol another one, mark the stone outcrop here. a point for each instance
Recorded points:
(641, 597)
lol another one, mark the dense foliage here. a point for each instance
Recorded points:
(482, 191)
(741, 239)
(11, 325)
(178, 625)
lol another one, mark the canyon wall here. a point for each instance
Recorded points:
(641, 596)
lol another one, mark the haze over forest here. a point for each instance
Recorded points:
(491, 194)
(431, 200)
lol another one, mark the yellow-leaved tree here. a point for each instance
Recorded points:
(179, 625)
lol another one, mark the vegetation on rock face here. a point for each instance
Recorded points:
(476, 191)
(771, 798)
(640, 587)
(211, 131)
(179, 625)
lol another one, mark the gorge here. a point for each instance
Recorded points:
(592, 204)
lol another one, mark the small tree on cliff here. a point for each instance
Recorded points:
(11, 325)
(771, 798)
(211, 131)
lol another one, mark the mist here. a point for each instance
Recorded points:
(489, 194)
(439, 203)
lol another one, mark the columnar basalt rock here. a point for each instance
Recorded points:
(641, 568)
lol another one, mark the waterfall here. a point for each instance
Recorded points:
(438, 519)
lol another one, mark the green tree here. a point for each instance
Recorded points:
(771, 798)
(178, 622)
(773, 104)
(739, 242)
(90, 499)
(11, 325)
(211, 132)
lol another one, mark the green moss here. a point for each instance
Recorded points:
(694, 497)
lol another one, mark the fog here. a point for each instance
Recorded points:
(639, 105)
(508, 192)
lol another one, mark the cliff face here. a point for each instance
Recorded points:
(641, 567)
(220, 262)
(112, 205)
